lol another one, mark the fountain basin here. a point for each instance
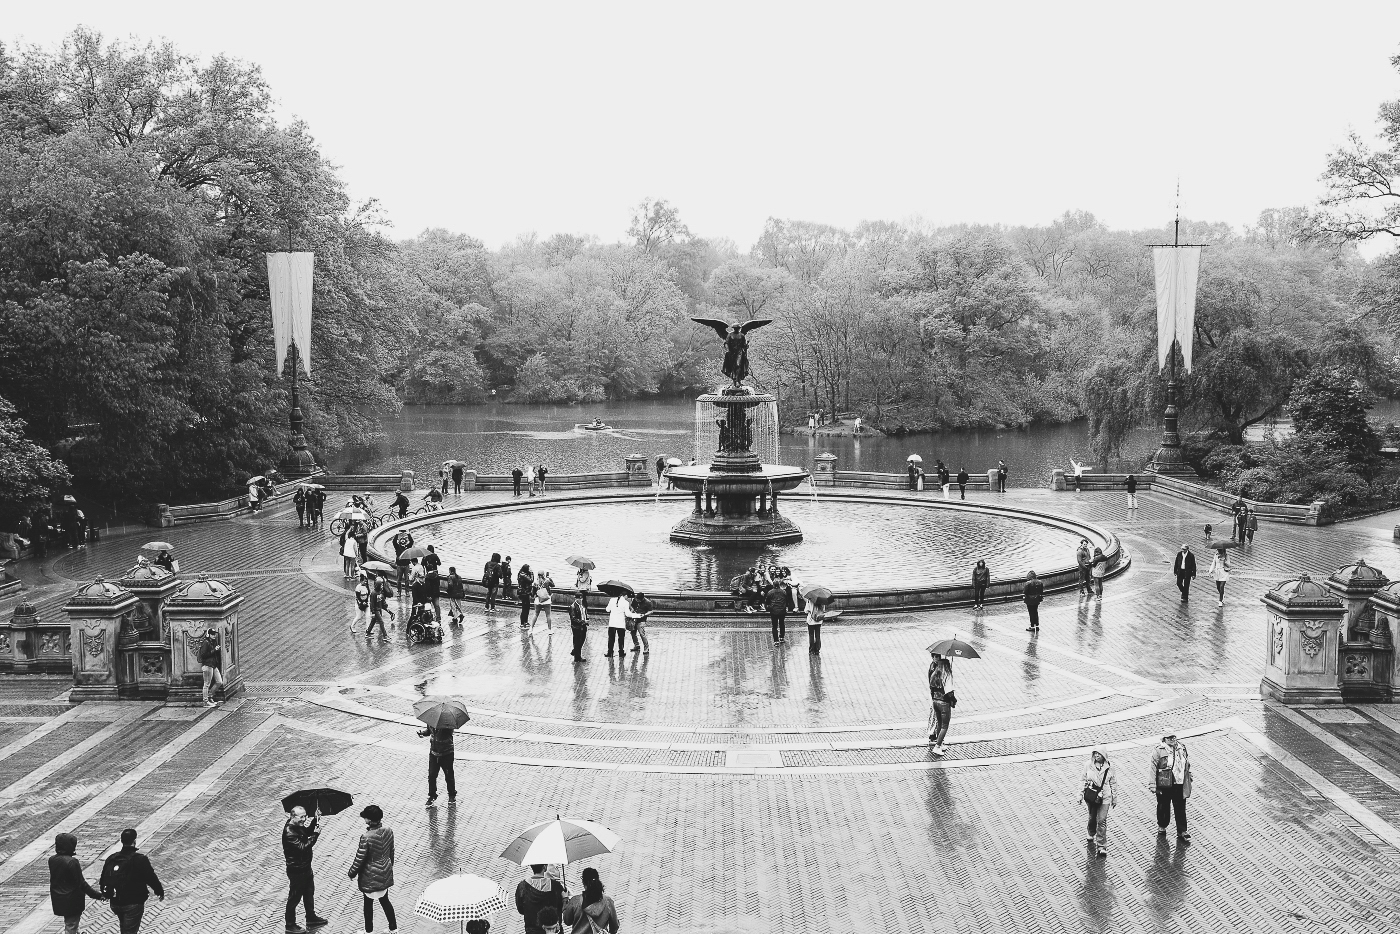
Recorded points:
(736, 509)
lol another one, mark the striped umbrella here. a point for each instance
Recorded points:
(562, 840)
(461, 898)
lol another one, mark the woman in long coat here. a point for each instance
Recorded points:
(373, 866)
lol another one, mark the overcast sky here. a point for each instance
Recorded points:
(504, 118)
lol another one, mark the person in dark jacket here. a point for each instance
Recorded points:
(164, 560)
(68, 890)
(373, 866)
(127, 880)
(536, 893)
(943, 478)
(1033, 593)
(525, 583)
(457, 479)
(379, 596)
(541, 472)
(962, 483)
(442, 752)
(913, 476)
(1132, 491)
(642, 607)
(578, 625)
(299, 500)
(516, 476)
(491, 579)
(401, 503)
(1184, 567)
(402, 542)
(299, 835)
(776, 600)
(981, 577)
(1002, 473)
(211, 665)
(432, 589)
(456, 593)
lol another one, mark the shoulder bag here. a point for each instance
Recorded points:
(1164, 774)
(1093, 794)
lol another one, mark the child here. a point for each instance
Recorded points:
(1207, 533)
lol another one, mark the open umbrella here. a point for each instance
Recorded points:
(157, 546)
(1222, 544)
(318, 800)
(674, 462)
(417, 551)
(914, 459)
(441, 713)
(580, 562)
(954, 647)
(616, 589)
(462, 897)
(258, 479)
(380, 567)
(562, 840)
(817, 594)
(313, 486)
(457, 463)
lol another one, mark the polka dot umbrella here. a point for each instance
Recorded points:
(462, 897)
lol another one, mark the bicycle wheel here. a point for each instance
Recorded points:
(337, 526)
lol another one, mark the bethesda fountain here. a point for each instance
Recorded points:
(736, 494)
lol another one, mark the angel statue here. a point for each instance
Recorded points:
(736, 344)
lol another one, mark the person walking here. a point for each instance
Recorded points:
(128, 879)
(68, 889)
(401, 503)
(1220, 573)
(373, 866)
(1238, 511)
(516, 475)
(361, 533)
(1251, 526)
(578, 625)
(981, 577)
(940, 714)
(211, 665)
(441, 755)
(1002, 474)
(1082, 557)
(456, 593)
(1100, 794)
(618, 611)
(962, 483)
(456, 479)
(1184, 567)
(776, 601)
(536, 894)
(1132, 491)
(660, 468)
(432, 590)
(1033, 593)
(299, 835)
(491, 579)
(1171, 781)
(525, 589)
(816, 615)
(350, 552)
(641, 608)
(1098, 567)
(379, 595)
(591, 912)
(544, 601)
(299, 501)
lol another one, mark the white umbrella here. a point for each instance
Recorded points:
(915, 459)
(562, 840)
(461, 898)
(674, 462)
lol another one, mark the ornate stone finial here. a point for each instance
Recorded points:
(202, 578)
(1361, 562)
(1304, 578)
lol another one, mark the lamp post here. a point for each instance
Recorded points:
(299, 461)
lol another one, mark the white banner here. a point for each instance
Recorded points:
(1176, 268)
(289, 287)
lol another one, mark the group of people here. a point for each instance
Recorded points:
(534, 475)
(1169, 780)
(1093, 567)
(127, 881)
(310, 501)
(541, 900)
(946, 479)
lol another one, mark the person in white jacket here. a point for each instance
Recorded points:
(1098, 778)
(619, 609)
(1220, 573)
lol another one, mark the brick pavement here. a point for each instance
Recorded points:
(861, 829)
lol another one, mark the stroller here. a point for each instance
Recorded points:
(423, 624)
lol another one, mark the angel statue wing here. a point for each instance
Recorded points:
(754, 325)
(716, 325)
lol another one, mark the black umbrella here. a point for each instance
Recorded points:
(616, 589)
(1220, 544)
(318, 800)
(817, 595)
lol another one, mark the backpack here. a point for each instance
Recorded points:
(362, 595)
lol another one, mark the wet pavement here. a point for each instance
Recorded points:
(755, 788)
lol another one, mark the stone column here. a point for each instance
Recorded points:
(1303, 641)
(96, 614)
(195, 609)
(406, 481)
(144, 650)
(824, 469)
(1364, 676)
(1385, 665)
(637, 472)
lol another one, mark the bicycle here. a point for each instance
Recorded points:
(428, 508)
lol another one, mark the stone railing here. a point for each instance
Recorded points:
(872, 480)
(162, 515)
(1312, 514)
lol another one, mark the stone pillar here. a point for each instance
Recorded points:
(1364, 667)
(29, 645)
(992, 475)
(1057, 480)
(1355, 585)
(161, 517)
(1304, 638)
(143, 649)
(824, 469)
(195, 609)
(637, 472)
(1385, 665)
(468, 480)
(406, 481)
(96, 614)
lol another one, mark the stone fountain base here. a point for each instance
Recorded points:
(736, 509)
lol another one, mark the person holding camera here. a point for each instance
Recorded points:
(299, 835)
(1099, 795)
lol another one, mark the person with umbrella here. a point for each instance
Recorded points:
(914, 461)
(592, 910)
(619, 610)
(299, 835)
(442, 753)
(465, 898)
(1220, 573)
(373, 866)
(940, 688)
(538, 893)
(817, 599)
(457, 468)
(165, 561)
(563, 840)
(583, 580)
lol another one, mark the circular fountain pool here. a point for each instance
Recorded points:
(898, 550)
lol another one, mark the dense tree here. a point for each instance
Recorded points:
(28, 473)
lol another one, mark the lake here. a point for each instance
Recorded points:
(495, 437)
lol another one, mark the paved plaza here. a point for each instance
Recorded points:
(756, 789)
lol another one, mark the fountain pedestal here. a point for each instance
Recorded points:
(736, 495)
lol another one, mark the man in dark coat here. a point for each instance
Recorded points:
(1184, 567)
(68, 890)
(516, 476)
(1034, 592)
(1002, 473)
(401, 503)
(962, 483)
(128, 880)
(535, 894)
(541, 472)
(776, 600)
(913, 476)
(457, 479)
(299, 835)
